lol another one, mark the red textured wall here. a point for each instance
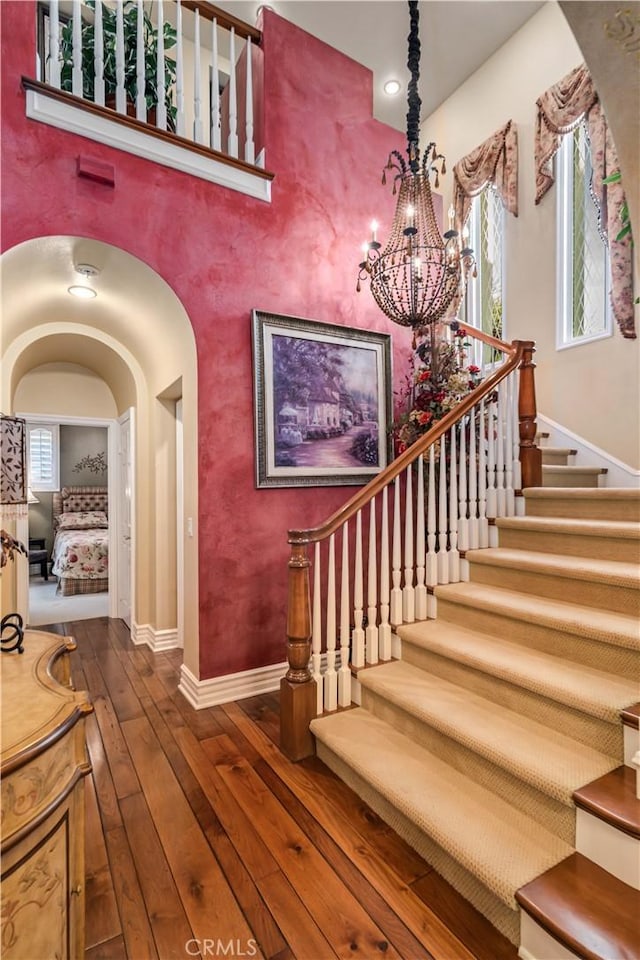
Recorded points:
(225, 254)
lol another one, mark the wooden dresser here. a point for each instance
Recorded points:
(43, 763)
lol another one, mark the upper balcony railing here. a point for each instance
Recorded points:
(186, 73)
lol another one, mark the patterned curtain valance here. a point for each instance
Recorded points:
(494, 161)
(13, 467)
(560, 110)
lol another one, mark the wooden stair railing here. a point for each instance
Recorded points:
(498, 421)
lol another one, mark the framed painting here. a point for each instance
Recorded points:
(322, 400)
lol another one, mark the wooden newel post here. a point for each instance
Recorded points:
(298, 688)
(530, 455)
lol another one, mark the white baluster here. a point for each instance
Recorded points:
(54, 45)
(76, 50)
(249, 146)
(357, 641)
(344, 675)
(483, 523)
(443, 560)
(161, 107)
(331, 677)
(510, 504)
(517, 467)
(180, 118)
(463, 520)
(454, 556)
(431, 565)
(316, 633)
(421, 590)
(141, 67)
(371, 632)
(215, 90)
(384, 630)
(500, 491)
(396, 592)
(197, 98)
(408, 593)
(98, 56)
(232, 142)
(492, 493)
(474, 538)
(121, 96)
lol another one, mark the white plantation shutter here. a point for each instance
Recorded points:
(43, 443)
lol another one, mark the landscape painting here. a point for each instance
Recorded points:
(321, 402)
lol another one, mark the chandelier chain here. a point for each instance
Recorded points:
(413, 100)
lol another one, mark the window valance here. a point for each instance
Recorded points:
(495, 161)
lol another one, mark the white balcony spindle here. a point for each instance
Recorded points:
(408, 593)
(215, 89)
(443, 560)
(141, 67)
(76, 50)
(371, 633)
(454, 555)
(384, 630)
(421, 590)
(232, 141)
(431, 565)
(316, 633)
(249, 145)
(198, 136)
(483, 523)
(54, 44)
(331, 676)
(510, 500)
(492, 493)
(121, 95)
(344, 674)
(474, 539)
(517, 467)
(180, 117)
(500, 490)
(357, 644)
(98, 57)
(463, 520)
(161, 107)
(396, 561)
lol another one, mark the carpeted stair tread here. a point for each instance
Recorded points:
(555, 766)
(606, 626)
(601, 695)
(572, 469)
(564, 451)
(510, 849)
(630, 494)
(611, 572)
(617, 529)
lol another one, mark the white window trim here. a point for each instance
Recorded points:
(472, 298)
(54, 429)
(564, 257)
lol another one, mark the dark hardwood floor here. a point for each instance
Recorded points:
(204, 841)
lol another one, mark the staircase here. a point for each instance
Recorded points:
(477, 744)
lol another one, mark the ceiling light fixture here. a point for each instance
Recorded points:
(392, 87)
(419, 274)
(82, 291)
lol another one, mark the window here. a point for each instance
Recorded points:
(485, 303)
(43, 442)
(583, 308)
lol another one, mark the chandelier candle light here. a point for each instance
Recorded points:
(420, 274)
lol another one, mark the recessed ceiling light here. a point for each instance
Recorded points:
(84, 293)
(392, 87)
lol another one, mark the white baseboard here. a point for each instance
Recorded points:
(233, 686)
(156, 640)
(619, 474)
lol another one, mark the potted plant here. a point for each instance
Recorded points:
(130, 31)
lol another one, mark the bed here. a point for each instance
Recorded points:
(80, 556)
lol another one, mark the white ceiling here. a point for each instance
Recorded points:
(456, 37)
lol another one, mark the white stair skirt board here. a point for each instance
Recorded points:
(156, 640)
(67, 116)
(619, 474)
(537, 944)
(631, 745)
(233, 686)
(614, 851)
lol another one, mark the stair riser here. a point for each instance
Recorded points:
(553, 459)
(583, 509)
(602, 736)
(605, 596)
(611, 849)
(498, 913)
(555, 478)
(622, 549)
(535, 636)
(556, 816)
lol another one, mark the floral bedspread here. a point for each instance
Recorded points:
(81, 554)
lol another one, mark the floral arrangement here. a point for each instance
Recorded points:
(438, 380)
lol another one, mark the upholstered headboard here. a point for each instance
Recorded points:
(79, 500)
